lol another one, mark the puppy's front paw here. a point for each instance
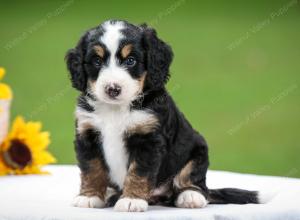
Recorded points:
(88, 202)
(190, 199)
(131, 205)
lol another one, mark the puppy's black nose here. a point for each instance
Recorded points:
(113, 90)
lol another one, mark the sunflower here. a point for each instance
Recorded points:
(3, 168)
(24, 151)
(2, 72)
(5, 91)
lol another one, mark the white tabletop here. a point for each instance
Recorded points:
(49, 197)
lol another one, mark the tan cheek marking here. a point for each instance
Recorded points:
(142, 81)
(92, 86)
(99, 50)
(94, 181)
(126, 50)
(182, 179)
(136, 186)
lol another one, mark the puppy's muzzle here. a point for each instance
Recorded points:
(113, 90)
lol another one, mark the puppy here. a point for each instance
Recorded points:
(133, 145)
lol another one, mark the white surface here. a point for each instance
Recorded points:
(49, 198)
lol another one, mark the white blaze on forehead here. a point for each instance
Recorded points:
(112, 36)
(113, 72)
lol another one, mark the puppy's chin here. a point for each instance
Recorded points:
(114, 102)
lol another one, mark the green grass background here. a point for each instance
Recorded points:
(219, 89)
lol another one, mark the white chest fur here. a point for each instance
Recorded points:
(113, 122)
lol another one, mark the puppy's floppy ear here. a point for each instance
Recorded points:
(74, 60)
(158, 59)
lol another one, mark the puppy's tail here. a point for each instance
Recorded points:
(237, 196)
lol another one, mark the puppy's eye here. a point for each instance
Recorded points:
(96, 61)
(130, 61)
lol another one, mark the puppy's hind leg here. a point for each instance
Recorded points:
(190, 183)
(189, 194)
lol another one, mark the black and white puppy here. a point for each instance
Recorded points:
(133, 145)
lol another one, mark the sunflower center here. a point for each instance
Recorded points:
(18, 155)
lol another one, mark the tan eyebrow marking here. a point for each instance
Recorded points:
(126, 50)
(99, 50)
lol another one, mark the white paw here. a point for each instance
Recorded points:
(88, 202)
(190, 199)
(131, 205)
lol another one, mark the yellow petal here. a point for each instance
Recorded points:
(33, 126)
(5, 91)
(3, 170)
(2, 72)
(18, 126)
(43, 158)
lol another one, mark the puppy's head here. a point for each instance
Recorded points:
(117, 61)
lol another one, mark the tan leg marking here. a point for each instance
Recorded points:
(95, 181)
(136, 193)
(188, 198)
(136, 186)
(182, 179)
